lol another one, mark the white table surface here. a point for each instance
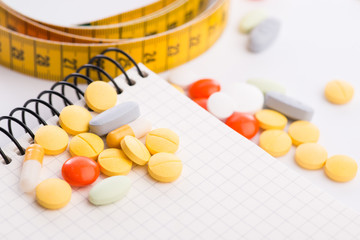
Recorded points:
(319, 42)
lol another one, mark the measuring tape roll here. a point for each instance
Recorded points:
(162, 35)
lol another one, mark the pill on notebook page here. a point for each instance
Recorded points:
(165, 167)
(114, 118)
(138, 128)
(80, 171)
(162, 140)
(109, 190)
(243, 123)
(31, 167)
(87, 145)
(75, 119)
(341, 168)
(270, 119)
(53, 193)
(263, 35)
(303, 132)
(114, 162)
(180, 89)
(275, 142)
(135, 150)
(288, 106)
(266, 85)
(202, 102)
(251, 20)
(203, 88)
(339, 92)
(220, 105)
(53, 139)
(100, 96)
(310, 156)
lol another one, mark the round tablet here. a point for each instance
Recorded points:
(266, 85)
(114, 162)
(311, 156)
(202, 102)
(135, 150)
(275, 142)
(270, 119)
(162, 140)
(80, 171)
(75, 119)
(303, 132)
(243, 123)
(182, 77)
(203, 88)
(341, 168)
(87, 145)
(53, 139)
(247, 98)
(53, 193)
(339, 92)
(100, 96)
(165, 167)
(220, 105)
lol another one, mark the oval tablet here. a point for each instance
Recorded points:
(220, 105)
(243, 123)
(251, 20)
(100, 96)
(53, 139)
(270, 119)
(87, 145)
(303, 132)
(109, 190)
(165, 167)
(311, 156)
(263, 35)
(341, 168)
(80, 171)
(162, 140)
(266, 85)
(75, 119)
(203, 88)
(183, 77)
(275, 142)
(339, 92)
(53, 193)
(135, 150)
(114, 162)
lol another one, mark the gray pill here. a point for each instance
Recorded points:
(263, 35)
(114, 118)
(288, 106)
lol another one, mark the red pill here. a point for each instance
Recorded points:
(202, 102)
(203, 88)
(80, 171)
(244, 123)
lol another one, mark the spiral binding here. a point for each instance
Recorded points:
(94, 63)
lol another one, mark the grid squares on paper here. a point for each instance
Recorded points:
(229, 189)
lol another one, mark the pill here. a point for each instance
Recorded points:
(114, 118)
(202, 102)
(263, 35)
(87, 145)
(266, 85)
(180, 89)
(311, 156)
(135, 150)
(339, 92)
(251, 20)
(270, 119)
(138, 128)
(75, 119)
(288, 106)
(247, 98)
(53, 193)
(31, 167)
(109, 190)
(303, 132)
(341, 168)
(100, 96)
(162, 140)
(53, 139)
(114, 162)
(203, 88)
(243, 123)
(183, 77)
(80, 171)
(275, 142)
(165, 167)
(220, 105)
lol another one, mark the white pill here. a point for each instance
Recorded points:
(221, 105)
(183, 77)
(246, 97)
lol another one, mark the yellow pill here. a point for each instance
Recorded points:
(75, 119)
(162, 140)
(303, 132)
(180, 89)
(100, 96)
(135, 150)
(53, 193)
(311, 156)
(86, 145)
(341, 168)
(53, 139)
(165, 167)
(339, 92)
(114, 162)
(270, 119)
(275, 142)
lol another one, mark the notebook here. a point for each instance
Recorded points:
(229, 187)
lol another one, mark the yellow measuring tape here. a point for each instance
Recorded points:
(162, 35)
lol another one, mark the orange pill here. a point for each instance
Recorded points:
(203, 88)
